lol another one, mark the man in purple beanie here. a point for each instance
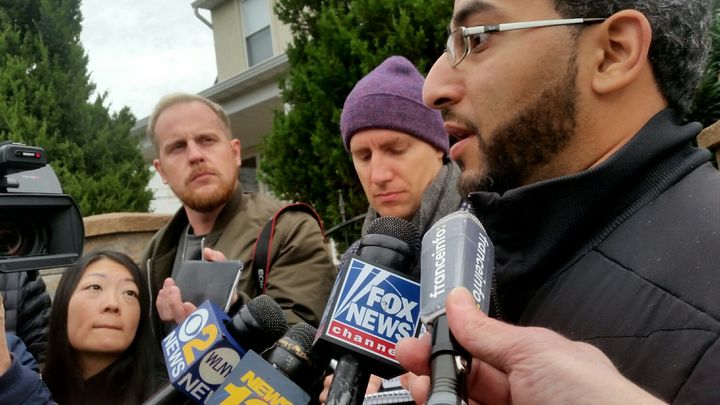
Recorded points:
(400, 151)
(399, 147)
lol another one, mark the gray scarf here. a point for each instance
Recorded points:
(431, 208)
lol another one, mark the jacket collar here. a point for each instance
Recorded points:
(540, 229)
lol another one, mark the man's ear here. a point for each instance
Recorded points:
(158, 168)
(237, 151)
(622, 47)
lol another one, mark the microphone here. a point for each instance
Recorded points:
(372, 306)
(456, 252)
(287, 373)
(202, 351)
(294, 357)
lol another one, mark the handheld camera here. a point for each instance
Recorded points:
(40, 227)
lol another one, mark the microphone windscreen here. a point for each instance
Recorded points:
(398, 228)
(269, 316)
(294, 357)
(258, 324)
(303, 334)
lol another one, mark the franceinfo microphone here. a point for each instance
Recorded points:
(288, 373)
(204, 349)
(373, 305)
(456, 252)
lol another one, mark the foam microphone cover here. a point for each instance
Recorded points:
(293, 356)
(259, 322)
(391, 242)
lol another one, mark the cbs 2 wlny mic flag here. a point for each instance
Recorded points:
(200, 353)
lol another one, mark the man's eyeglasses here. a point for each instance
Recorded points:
(463, 39)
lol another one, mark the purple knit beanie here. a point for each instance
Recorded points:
(390, 97)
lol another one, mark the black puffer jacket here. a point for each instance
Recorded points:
(623, 256)
(27, 308)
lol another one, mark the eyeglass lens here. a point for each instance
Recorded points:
(455, 46)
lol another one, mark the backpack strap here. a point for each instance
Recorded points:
(262, 260)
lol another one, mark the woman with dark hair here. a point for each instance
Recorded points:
(100, 347)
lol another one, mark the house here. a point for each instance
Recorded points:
(250, 45)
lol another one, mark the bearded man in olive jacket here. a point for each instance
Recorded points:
(199, 159)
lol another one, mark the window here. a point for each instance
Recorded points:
(248, 175)
(256, 26)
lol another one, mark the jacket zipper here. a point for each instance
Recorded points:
(495, 300)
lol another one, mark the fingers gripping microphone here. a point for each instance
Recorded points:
(456, 252)
(286, 375)
(202, 351)
(373, 305)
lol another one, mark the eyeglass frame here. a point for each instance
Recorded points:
(466, 32)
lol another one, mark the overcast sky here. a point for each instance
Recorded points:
(139, 50)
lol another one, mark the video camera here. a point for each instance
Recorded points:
(40, 227)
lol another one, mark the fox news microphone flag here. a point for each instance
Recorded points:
(204, 349)
(372, 306)
(456, 252)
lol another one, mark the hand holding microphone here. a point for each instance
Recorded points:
(522, 365)
(514, 364)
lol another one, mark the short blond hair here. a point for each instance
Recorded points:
(180, 98)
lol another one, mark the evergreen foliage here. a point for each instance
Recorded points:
(335, 43)
(706, 106)
(45, 93)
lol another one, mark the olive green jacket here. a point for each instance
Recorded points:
(302, 272)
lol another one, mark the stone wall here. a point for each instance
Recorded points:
(127, 232)
(710, 138)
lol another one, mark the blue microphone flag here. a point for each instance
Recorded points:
(200, 353)
(373, 310)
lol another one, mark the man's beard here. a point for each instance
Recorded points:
(208, 202)
(515, 150)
